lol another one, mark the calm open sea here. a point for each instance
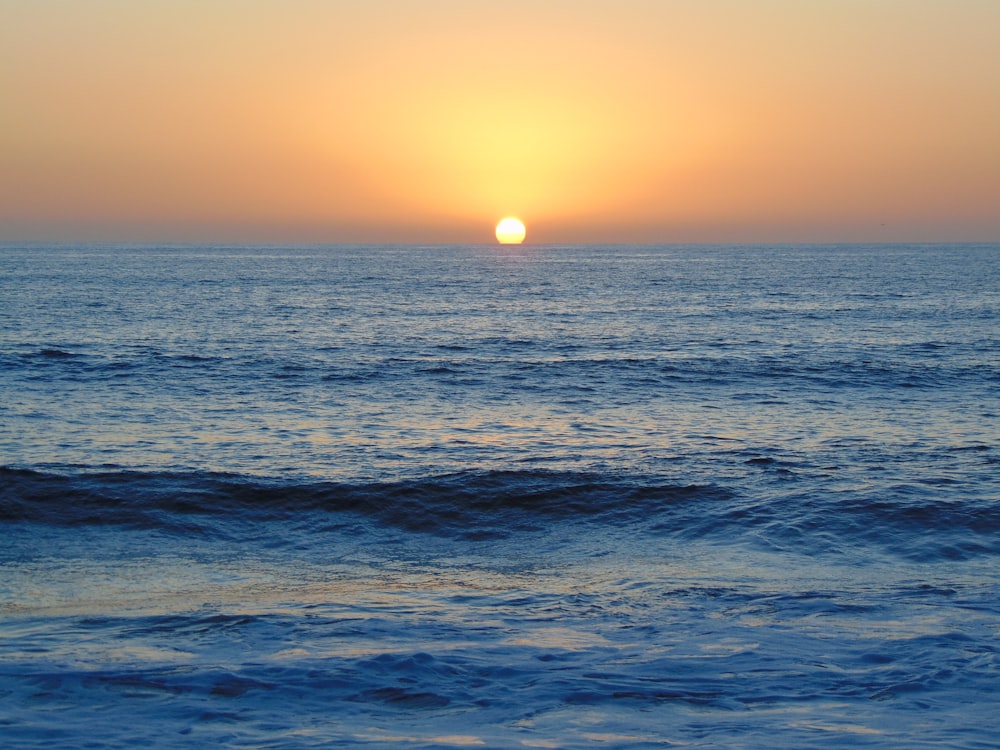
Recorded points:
(542, 497)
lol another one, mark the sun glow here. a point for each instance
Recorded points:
(510, 231)
(636, 121)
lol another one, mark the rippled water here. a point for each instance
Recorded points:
(531, 497)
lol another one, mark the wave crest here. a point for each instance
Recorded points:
(439, 504)
(496, 504)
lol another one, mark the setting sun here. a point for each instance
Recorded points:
(510, 231)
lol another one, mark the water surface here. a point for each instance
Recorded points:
(621, 496)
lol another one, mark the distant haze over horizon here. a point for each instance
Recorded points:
(404, 121)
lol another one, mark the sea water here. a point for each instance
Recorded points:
(506, 497)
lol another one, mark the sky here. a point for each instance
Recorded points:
(427, 121)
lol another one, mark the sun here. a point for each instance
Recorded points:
(510, 231)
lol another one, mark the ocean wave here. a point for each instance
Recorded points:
(494, 366)
(477, 506)
(438, 504)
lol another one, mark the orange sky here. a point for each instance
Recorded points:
(428, 120)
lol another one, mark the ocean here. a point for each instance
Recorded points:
(503, 497)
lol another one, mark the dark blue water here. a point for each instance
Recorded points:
(414, 497)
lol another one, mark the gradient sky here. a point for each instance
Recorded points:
(428, 120)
